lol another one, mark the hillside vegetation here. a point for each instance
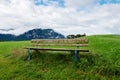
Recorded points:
(102, 63)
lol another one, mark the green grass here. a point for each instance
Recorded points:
(102, 63)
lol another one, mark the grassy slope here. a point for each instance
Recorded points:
(102, 63)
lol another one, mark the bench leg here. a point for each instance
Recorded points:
(28, 54)
(75, 55)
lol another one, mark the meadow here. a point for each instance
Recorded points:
(101, 63)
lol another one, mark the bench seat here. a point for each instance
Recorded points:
(57, 49)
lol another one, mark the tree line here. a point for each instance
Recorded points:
(72, 36)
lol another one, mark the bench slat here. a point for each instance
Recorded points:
(60, 41)
(83, 45)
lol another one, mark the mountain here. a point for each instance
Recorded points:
(6, 37)
(32, 34)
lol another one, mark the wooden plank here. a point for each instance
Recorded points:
(81, 45)
(56, 49)
(60, 41)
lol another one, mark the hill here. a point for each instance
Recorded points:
(32, 34)
(102, 63)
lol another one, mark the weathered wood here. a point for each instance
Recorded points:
(40, 43)
(82, 45)
(61, 41)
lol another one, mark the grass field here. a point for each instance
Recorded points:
(102, 63)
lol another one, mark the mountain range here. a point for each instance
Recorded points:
(32, 34)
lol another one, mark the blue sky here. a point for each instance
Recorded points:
(64, 16)
(45, 3)
(109, 2)
(61, 3)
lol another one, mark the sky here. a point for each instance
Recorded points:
(64, 16)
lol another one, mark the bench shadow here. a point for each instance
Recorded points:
(51, 56)
(62, 57)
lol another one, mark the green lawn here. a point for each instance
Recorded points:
(102, 63)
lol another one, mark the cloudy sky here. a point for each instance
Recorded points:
(64, 16)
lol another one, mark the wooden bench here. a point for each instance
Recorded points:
(73, 45)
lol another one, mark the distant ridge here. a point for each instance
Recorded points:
(7, 29)
(32, 34)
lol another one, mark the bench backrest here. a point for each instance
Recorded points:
(60, 42)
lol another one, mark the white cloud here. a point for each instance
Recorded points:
(79, 3)
(23, 15)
